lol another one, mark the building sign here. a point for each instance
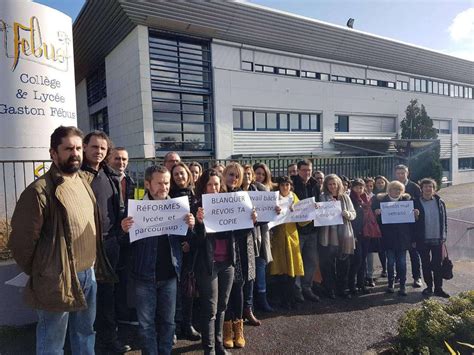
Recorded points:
(37, 78)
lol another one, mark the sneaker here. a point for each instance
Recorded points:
(402, 291)
(427, 292)
(371, 283)
(440, 293)
(417, 283)
(383, 274)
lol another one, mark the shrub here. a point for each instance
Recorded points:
(424, 330)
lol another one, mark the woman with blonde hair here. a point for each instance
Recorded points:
(396, 237)
(233, 177)
(336, 242)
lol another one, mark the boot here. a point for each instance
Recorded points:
(262, 302)
(248, 314)
(238, 327)
(228, 338)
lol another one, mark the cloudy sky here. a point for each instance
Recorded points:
(443, 25)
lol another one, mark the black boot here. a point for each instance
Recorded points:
(262, 303)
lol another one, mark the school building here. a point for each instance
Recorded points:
(228, 79)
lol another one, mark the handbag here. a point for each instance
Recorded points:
(188, 282)
(446, 266)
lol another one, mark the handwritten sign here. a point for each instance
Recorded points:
(264, 203)
(227, 211)
(158, 217)
(328, 214)
(397, 212)
(302, 211)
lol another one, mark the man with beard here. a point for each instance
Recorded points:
(56, 240)
(106, 187)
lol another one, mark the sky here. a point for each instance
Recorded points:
(443, 25)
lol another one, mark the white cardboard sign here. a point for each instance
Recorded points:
(328, 214)
(227, 211)
(397, 212)
(158, 217)
(302, 211)
(264, 203)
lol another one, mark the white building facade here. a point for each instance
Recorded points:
(232, 79)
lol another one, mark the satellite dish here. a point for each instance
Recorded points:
(350, 23)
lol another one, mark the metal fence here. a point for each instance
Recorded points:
(16, 175)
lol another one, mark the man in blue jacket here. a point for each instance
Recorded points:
(156, 266)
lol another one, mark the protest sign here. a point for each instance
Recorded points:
(397, 212)
(328, 214)
(227, 211)
(158, 217)
(302, 211)
(264, 203)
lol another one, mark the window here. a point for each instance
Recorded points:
(446, 89)
(258, 67)
(465, 130)
(402, 85)
(274, 121)
(417, 85)
(313, 75)
(423, 85)
(442, 126)
(243, 120)
(445, 164)
(96, 86)
(469, 93)
(247, 66)
(100, 121)
(268, 69)
(412, 84)
(342, 124)
(430, 87)
(181, 85)
(325, 77)
(435, 87)
(466, 163)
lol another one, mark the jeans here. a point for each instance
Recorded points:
(309, 253)
(415, 263)
(214, 292)
(398, 258)
(106, 322)
(156, 299)
(52, 326)
(235, 309)
(431, 264)
(370, 266)
(260, 281)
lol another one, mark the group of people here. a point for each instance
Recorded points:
(70, 235)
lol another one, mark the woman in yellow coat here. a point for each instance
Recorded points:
(287, 261)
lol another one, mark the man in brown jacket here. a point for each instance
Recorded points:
(56, 240)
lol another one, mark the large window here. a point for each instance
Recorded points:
(466, 163)
(181, 92)
(275, 121)
(96, 86)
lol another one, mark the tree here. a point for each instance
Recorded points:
(417, 124)
(422, 162)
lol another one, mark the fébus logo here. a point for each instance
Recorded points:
(26, 42)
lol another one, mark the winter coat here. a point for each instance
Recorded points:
(341, 235)
(145, 251)
(396, 236)
(286, 252)
(41, 243)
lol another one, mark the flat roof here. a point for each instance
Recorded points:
(101, 25)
